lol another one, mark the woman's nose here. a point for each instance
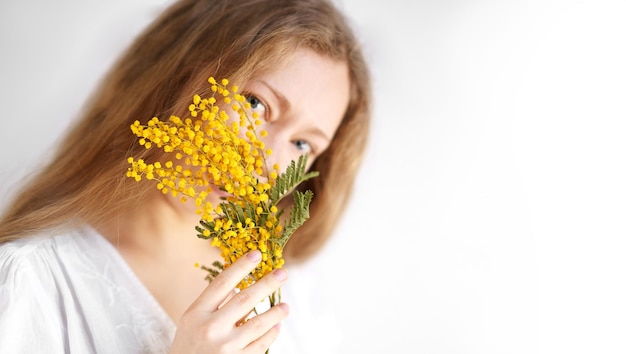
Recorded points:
(283, 151)
(278, 157)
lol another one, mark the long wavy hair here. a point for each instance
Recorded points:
(191, 40)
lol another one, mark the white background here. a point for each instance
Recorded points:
(489, 216)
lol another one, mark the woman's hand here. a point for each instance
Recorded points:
(210, 324)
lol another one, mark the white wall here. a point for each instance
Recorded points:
(489, 217)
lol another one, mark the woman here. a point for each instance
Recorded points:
(92, 261)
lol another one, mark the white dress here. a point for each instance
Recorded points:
(74, 293)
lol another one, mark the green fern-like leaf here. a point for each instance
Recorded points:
(298, 215)
(293, 176)
(216, 268)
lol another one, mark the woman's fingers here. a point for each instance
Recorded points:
(239, 305)
(263, 327)
(212, 324)
(221, 287)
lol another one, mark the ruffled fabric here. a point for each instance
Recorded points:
(74, 294)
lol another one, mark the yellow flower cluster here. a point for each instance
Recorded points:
(209, 150)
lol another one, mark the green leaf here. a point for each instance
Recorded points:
(298, 215)
(293, 176)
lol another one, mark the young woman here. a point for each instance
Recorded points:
(93, 262)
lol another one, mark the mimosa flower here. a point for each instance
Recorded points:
(209, 150)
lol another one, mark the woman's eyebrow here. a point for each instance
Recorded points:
(285, 105)
(320, 133)
(283, 102)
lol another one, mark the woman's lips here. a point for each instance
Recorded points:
(218, 192)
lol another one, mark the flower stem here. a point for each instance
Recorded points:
(274, 300)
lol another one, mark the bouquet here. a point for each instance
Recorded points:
(211, 149)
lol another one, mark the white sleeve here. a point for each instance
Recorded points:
(31, 317)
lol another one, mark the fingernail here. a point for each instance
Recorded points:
(280, 274)
(283, 306)
(254, 256)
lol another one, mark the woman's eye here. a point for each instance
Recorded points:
(256, 105)
(303, 146)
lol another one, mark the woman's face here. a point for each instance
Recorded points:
(301, 105)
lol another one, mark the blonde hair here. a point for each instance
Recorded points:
(193, 39)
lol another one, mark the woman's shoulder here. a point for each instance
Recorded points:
(30, 270)
(62, 286)
(39, 282)
(36, 254)
(25, 250)
(27, 244)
